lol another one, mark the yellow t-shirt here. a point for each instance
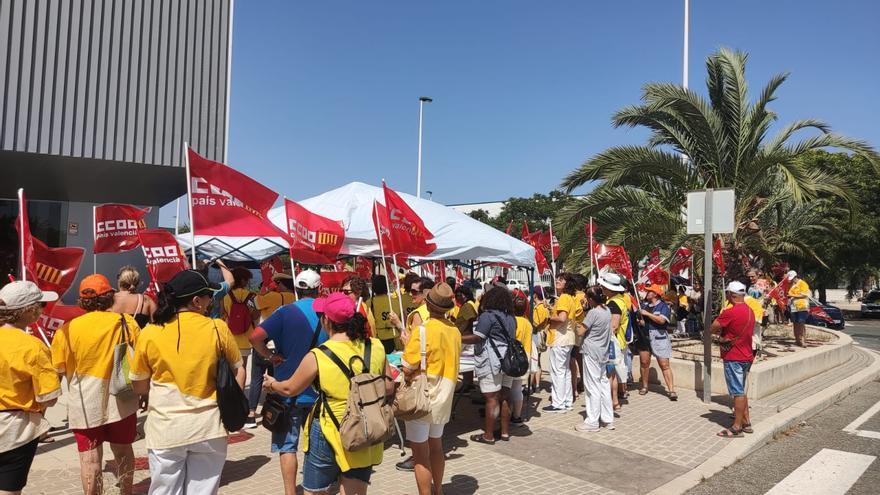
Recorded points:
(335, 385)
(82, 350)
(442, 353)
(800, 288)
(27, 379)
(622, 302)
(683, 301)
(422, 311)
(267, 303)
(242, 338)
(524, 334)
(754, 305)
(408, 305)
(575, 312)
(580, 297)
(180, 360)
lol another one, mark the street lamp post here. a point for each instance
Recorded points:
(422, 101)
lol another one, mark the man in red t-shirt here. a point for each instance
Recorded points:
(735, 326)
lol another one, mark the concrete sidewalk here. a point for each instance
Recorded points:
(658, 446)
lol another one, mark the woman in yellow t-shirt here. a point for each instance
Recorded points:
(566, 308)
(326, 461)
(524, 335)
(540, 333)
(175, 363)
(28, 384)
(242, 295)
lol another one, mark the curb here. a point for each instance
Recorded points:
(766, 430)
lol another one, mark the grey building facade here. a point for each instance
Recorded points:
(97, 98)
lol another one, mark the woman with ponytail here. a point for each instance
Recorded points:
(326, 461)
(175, 362)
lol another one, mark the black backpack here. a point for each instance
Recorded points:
(231, 400)
(515, 362)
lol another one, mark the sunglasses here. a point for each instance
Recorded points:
(415, 292)
(347, 292)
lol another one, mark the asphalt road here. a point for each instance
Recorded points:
(804, 457)
(865, 333)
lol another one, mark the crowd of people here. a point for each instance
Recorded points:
(305, 346)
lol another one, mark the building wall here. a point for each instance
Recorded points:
(126, 81)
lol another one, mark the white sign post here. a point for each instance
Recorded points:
(709, 212)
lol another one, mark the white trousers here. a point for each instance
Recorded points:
(560, 376)
(189, 469)
(598, 393)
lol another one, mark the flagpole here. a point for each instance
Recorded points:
(552, 256)
(385, 265)
(192, 223)
(595, 273)
(289, 252)
(177, 219)
(94, 239)
(21, 213)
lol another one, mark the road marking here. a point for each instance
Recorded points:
(853, 428)
(829, 472)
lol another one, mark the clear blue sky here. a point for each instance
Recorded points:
(324, 93)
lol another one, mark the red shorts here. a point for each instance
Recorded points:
(123, 431)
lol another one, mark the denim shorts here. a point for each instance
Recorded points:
(735, 374)
(286, 442)
(799, 316)
(320, 469)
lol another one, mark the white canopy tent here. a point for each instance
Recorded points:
(458, 236)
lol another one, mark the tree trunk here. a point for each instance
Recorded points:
(823, 294)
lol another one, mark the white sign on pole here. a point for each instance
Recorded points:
(723, 201)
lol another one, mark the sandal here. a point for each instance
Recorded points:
(479, 438)
(747, 428)
(643, 391)
(731, 433)
(673, 396)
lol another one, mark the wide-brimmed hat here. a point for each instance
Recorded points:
(19, 294)
(612, 282)
(441, 297)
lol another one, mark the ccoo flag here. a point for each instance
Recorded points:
(116, 227)
(313, 238)
(226, 202)
(408, 232)
(164, 256)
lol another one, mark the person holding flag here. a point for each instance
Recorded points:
(381, 307)
(799, 293)
(656, 314)
(29, 385)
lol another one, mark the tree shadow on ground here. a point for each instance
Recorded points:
(461, 484)
(242, 469)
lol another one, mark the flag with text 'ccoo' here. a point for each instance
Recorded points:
(313, 238)
(116, 227)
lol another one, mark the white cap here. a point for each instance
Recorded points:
(612, 282)
(308, 279)
(17, 295)
(791, 275)
(736, 288)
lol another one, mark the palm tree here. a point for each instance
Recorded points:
(697, 143)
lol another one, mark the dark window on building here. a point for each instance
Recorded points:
(47, 220)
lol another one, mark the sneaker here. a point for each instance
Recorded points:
(408, 465)
(569, 408)
(250, 423)
(584, 428)
(607, 426)
(553, 409)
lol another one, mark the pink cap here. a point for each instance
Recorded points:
(337, 307)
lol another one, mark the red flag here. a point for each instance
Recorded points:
(779, 294)
(820, 313)
(363, 267)
(52, 269)
(654, 271)
(268, 269)
(590, 229)
(459, 276)
(614, 257)
(164, 257)
(718, 255)
(116, 227)
(226, 202)
(408, 232)
(313, 238)
(55, 316)
(332, 281)
(681, 261)
(532, 240)
(509, 228)
(382, 224)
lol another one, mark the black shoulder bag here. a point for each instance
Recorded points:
(231, 400)
(515, 362)
(276, 411)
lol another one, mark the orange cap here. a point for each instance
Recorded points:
(656, 289)
(93, 286)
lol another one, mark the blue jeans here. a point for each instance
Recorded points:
(735, 374)
(320, 469)
(287, 442)
(799, 316)
(258, 367)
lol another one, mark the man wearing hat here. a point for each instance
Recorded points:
(294, 330)
(619, 306)
(28, 385)
(799, 293)
(442, 344)
(735, 326)
(656, 314)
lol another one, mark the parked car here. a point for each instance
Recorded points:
(871, 304)
(825, 315)
(516, 284)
